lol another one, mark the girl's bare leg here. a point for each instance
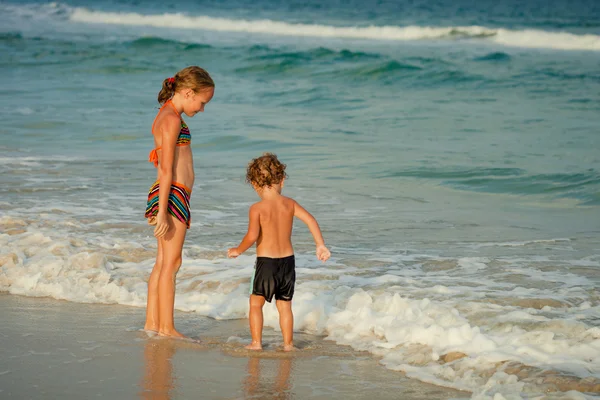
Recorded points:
(256, 321)
(172, 245)
(152, 305)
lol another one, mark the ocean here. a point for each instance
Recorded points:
(450, 151)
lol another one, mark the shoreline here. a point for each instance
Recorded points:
(73, 350)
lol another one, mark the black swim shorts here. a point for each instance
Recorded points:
(274, 277)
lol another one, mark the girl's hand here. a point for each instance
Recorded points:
(163, 224)
(233, 252)
(323, 253)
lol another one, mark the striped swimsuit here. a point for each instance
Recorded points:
(179, 196)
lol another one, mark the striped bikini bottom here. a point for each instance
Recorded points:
(179, 203)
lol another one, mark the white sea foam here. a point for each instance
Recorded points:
(527, 38)
(524, 243)
(519, 38)
(24, 111)
(35, 160)
(410, 323)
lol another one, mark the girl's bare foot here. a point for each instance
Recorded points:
(288, 347)
(173, 334)
(254, 346)
(150, 328)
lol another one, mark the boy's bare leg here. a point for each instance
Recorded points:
(172, 244)
(286, 323)
(152, 304)
(256, 321)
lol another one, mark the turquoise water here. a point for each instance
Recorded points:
(452, 155)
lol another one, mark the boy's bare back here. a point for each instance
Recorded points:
(276, 218)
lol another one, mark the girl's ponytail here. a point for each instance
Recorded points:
(168, 89)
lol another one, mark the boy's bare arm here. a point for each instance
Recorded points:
(313, 226)
(251, 235)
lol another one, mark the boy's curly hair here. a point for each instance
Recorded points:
(265, 171)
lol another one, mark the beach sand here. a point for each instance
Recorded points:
(58, 349)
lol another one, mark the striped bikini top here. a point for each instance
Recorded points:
(184, 138)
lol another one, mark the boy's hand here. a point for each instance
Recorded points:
(233, 252)
(323, 253)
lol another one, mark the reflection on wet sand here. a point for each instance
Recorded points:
(258, 386)
(158, 381)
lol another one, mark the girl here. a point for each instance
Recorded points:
(169, 198)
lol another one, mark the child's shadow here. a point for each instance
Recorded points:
(257, 386)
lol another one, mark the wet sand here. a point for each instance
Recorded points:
(57, 349)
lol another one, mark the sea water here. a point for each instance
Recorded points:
(450, 151)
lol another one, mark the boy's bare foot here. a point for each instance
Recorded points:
(173, 334)
(289, 347)
(254, 346)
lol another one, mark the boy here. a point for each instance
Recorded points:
(270, 226)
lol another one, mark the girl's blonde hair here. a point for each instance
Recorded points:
(192, 77)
